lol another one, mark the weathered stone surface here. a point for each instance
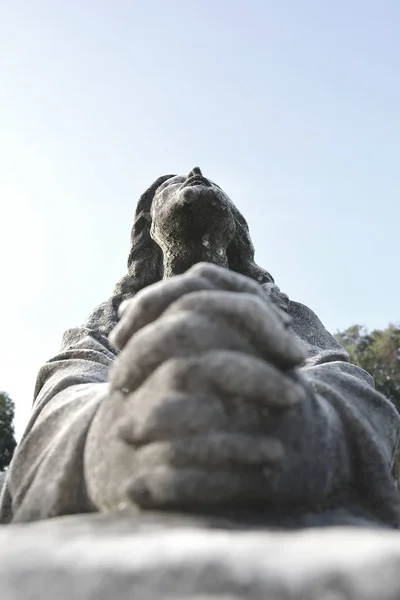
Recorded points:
(2, 479)
(120, 557)
(146, 422)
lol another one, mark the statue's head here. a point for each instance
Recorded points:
(184, 219)
(191, 220)
(181, 220)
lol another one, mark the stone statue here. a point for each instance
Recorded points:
(200, 387)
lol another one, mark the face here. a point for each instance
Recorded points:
(195, 179)
(191, 209)
(192, 221)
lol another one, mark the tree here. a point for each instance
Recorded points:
(378, 352)
(7, 439)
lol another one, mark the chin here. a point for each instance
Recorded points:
(191, 215)
(205, 196)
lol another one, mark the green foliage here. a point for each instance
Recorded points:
(378, 352)
(7, 439)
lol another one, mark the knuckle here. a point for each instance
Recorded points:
(194, 302)
(142, 303)
(204, 269)
(173, 372)
(191, 299)
(125, 306)
(257, 304)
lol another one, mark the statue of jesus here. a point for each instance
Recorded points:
(200, 387)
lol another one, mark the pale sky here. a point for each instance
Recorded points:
(291, 106)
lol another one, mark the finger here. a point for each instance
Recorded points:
(151, 416)
(217, 391)
(166, 487)
(154, 416)
(216, 450)
(230, 375)
(253, 317)
(225, 279)
(176, 335)
(150, 303)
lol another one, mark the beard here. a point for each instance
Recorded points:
(192, 225)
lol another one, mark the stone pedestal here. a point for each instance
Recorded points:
(151, 557)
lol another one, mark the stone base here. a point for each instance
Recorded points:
(149, 557)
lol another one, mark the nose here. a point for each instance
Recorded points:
(195, 171)
(196, 177)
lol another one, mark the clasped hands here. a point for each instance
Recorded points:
(206, 364)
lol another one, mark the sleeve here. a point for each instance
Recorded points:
(342, 442)
(45, 477)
